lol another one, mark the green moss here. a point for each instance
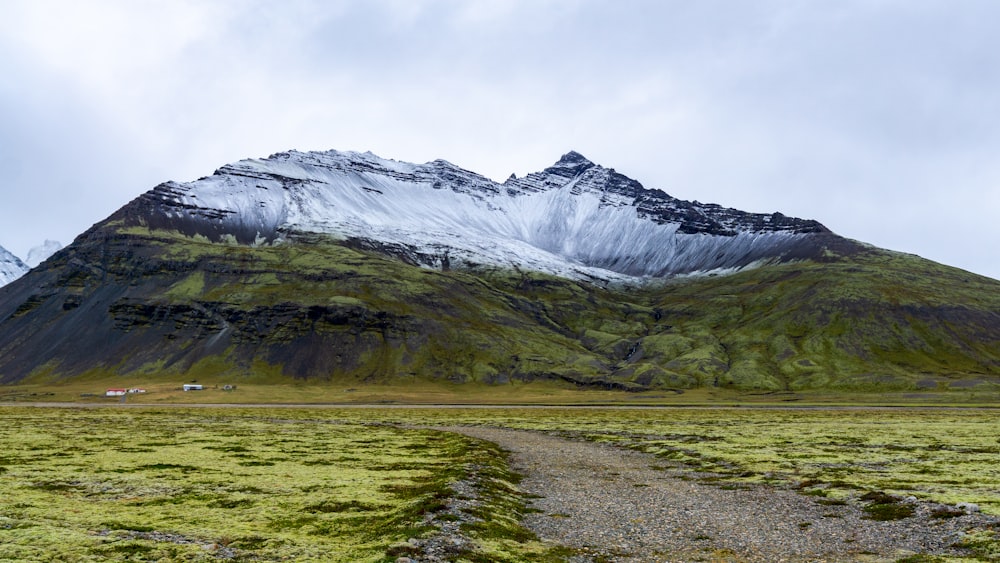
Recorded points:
(157, 509)
(189, 288)
(984, 544)
(873, 322)
(891, 511)
(70, 476)
(920, 558)
(667, 346)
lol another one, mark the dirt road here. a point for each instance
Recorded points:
(620, 505)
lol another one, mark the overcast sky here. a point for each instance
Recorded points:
(879, 118)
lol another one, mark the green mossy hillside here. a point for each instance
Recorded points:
(132, 301)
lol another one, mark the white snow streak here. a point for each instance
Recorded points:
(437, 208)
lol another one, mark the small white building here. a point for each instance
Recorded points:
(137, 390)
(115, 392)
(193, 387)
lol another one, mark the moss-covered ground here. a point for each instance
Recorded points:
(182, 485)
(348, 484)
(944, 455)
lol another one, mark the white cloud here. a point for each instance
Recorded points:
(877, 118)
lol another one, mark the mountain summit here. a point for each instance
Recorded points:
(575, 219)
(350, 268)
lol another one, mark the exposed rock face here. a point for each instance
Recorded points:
(11, 267)
(575, 219)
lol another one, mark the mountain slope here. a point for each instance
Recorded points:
(180, 284)
(11, 267)
(575, 219)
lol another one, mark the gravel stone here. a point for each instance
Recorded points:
(611, 505)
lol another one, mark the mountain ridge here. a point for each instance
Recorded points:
(11, 267)
(574, 219)
(202, 280)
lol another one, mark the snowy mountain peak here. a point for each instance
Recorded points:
(11, 267)
(570, 165)
(573, 157)
(574, 219)
(41, 253)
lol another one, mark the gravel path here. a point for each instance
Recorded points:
(612, 505)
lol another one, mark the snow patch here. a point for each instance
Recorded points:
(576, 219)
(42, 252)
(11, 267)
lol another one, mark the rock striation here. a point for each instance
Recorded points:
(575, 219)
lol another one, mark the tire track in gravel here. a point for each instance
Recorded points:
(613, 506)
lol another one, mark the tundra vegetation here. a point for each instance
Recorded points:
(354, 484)
(177, 308)
(166, 485)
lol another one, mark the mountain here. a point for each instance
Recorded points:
(352, 268)
(575, 219)
(40, 253)
(11, 267)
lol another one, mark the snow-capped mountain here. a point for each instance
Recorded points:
(574, 219)
(324, 275)
(11, 267)
(40, 253)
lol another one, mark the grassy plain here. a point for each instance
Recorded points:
(165, 390)
(196, 485)
(347, 484)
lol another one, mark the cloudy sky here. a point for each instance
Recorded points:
(879, 118)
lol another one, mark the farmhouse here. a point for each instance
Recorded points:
(192, 387)
(115, 392)
(136, 390)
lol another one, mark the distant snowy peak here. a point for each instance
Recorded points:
(575, 219)
(11, 267)
(41, 253)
